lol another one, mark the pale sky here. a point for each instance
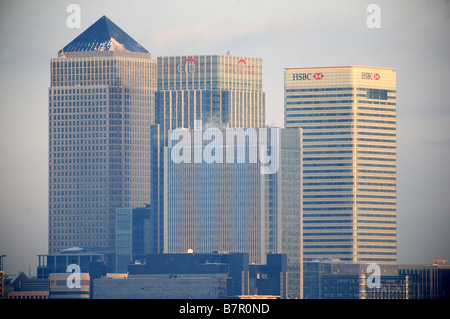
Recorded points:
(413, 38)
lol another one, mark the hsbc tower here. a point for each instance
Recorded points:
(348, 116)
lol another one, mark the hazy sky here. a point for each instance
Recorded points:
(414, 38)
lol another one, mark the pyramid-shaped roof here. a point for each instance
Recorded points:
(103, 35)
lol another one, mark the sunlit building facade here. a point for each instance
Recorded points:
(217, 89)
(101, 106)
(348, 116)
(233, 206)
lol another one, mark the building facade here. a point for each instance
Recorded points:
(348, 116)
(332, 279)
(428, 281)
(101, 106)
(234, 204)
(80, 256)
(61, 287)
(217, 89)
(136, 236)
(193, 276)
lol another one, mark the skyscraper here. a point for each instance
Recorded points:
(219, 90)
(236, 205)
(101, 106)
(348, 116)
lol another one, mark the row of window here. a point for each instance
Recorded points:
(343, 234)
(318, 240)
(343, 196)
(347, 227)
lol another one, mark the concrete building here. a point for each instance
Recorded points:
(428, 281)
(25, 287)
(333, 279)
(195, 276)
(348, 116)
(69, 286)
(183, 286)
(101, 106)
(80, 256)
(344, 280)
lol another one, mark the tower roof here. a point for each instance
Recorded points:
(103, 35)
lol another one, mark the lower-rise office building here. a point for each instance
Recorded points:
(428, 281)
(136, 235)
(161, 286)
(343, 280)
(62, 286)
(333, 279)
(195, 276)
(80, 256)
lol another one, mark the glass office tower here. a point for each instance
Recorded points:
(348, 116)
(233, 206)
(136, 236)
(101, 106)
(217, 89)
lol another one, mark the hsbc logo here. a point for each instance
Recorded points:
(318, 76)
(370, 76)
(307, 76)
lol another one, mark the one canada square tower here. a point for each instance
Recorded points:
(101, 107)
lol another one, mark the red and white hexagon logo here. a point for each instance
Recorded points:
(376, 76)
(318, 76)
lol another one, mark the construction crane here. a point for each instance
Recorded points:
(439, 262)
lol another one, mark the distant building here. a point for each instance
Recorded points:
(28, 294)
(61, 289)
(269, 280)
(136, 235)
(81, 256)
(101, 106)
(428, 281)
(344, 280)
(348, 117)
(162, 286)
(2, 278)
(217, 89)
(2, 284)
(23, 287)
(195, 276)
(333, 279)
(233, 205)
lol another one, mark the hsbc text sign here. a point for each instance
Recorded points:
(370, 76)
(319, 76)
(307, 76)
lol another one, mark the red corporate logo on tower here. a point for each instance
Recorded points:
(318, 76)
(307, 76)
(370, 76)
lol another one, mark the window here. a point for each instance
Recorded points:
(376, 94)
